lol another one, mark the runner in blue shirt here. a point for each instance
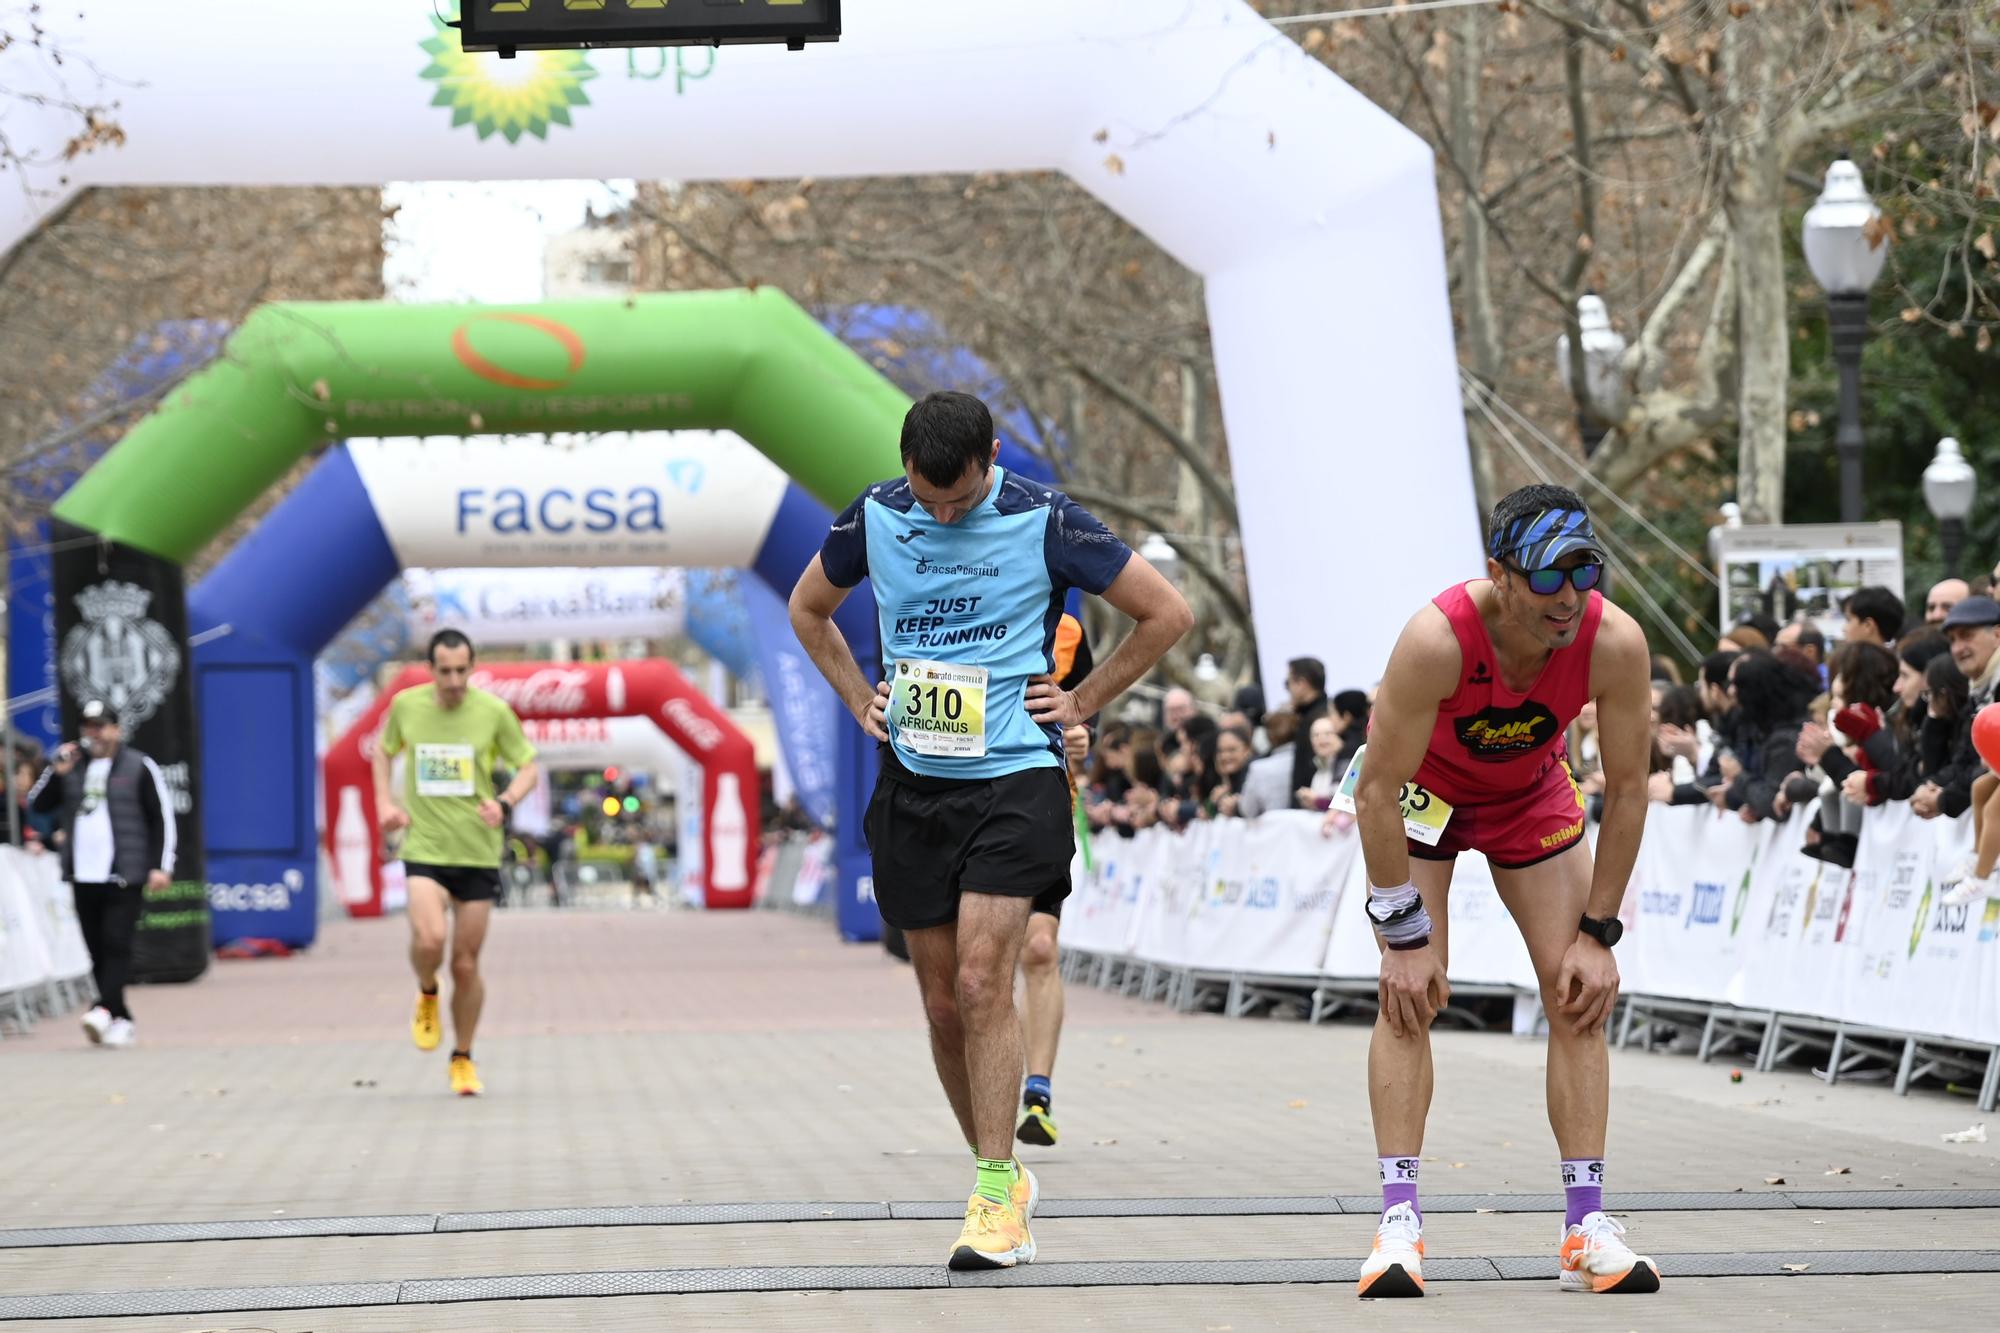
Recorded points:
(969, 828)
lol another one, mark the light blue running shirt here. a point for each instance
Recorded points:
(968, 613)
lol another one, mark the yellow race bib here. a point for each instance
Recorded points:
(939, 708)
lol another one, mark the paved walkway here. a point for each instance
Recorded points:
(651, 1059)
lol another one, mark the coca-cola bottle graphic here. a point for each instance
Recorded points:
(730, 836)
(1846, 905)
(351, 849)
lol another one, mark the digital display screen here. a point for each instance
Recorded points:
(540, 25)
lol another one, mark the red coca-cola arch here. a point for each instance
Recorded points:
(649, 688)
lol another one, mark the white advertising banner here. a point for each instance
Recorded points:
(687, 498)
(1270, 893)
(521, 606)
(25, 958)
(1692, 890)
(1717, 911)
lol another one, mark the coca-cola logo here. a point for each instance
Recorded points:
(553, 691)
(703, 734)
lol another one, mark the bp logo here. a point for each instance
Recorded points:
(119, 654)
(505, 97)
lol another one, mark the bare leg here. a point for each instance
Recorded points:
(468, 989)
(934, 955)
(990, 931)
(427, 916)
(1546, 901)
(1399, 1068)
(1985, 824)
(1042, 1015)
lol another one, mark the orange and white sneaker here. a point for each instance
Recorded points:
(1396, 1268)
(995, 1236)
(1595, 1258)
(465, 1077)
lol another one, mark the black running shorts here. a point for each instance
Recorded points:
(468, 884)
(932, 840)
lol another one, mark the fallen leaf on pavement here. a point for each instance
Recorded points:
(1297, 1103)
(1795, 1268)
(1107, 1143)
(1840, 1171)
(1774, 1180)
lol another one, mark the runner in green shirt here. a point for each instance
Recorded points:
(454, 734)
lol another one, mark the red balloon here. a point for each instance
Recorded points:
(1986, 735)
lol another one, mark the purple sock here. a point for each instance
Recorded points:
(1583, 1183)
(1399, 1183)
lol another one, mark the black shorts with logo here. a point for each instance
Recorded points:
(468, 884)
(932, 839)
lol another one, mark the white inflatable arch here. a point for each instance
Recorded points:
(1310, 213)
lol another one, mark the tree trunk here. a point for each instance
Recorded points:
(1755, 203)
(1475, 268)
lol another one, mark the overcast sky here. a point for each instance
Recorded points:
(481, 240)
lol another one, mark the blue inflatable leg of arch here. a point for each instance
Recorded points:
(268, 608)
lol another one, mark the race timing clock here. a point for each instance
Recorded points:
(508, 26)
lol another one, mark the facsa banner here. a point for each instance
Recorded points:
(1717, 911)
(517, 606)
(623, 498)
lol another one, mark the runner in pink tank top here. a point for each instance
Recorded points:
(1466, 752)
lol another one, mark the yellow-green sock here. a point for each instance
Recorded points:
(996, 1179)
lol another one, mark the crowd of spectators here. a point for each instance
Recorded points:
(1775, 718)
(1241, 762)
(1776, 721)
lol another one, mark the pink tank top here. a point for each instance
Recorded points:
(1490, 742)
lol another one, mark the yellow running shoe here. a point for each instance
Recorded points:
(1035, 1126)
(1027, 1191)
(995, 1236)
(424, 1028)
(465, 1077)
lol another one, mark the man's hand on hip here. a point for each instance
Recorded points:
(1049, 702)
(874, 718)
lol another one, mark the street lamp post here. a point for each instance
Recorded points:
(1949, 487)
(1846, 255)
(1603, 372)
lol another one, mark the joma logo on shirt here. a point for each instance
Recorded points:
(1505, 733)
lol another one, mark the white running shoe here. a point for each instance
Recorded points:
(1595, 1258)
(95, 1020)
(119, 1033)
(1962, 871)
(1968, 890)
(1396, 1267)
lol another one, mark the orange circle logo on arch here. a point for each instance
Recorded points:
(487, 369)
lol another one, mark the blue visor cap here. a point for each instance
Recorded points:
(1537, 541)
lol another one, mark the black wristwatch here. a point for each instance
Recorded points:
(1607, 932)
(506, 808)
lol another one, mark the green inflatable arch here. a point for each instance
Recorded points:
(299, 375)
